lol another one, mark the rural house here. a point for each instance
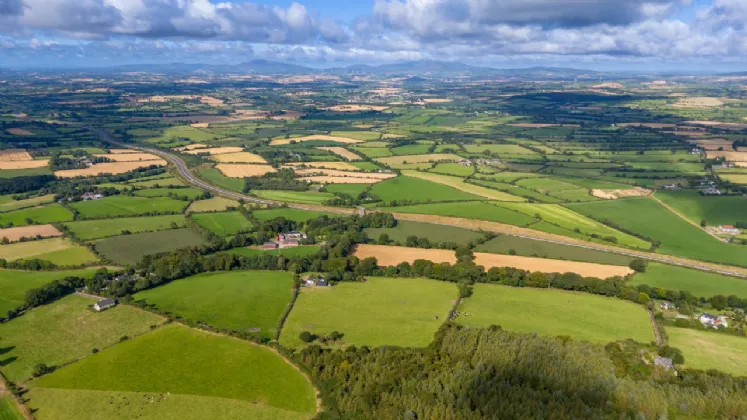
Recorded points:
(729, 229)
(270, 245)
(290, 235)
(667, 306)
(713, 321)
(104, 304)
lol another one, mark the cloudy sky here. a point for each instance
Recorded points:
(603, 34)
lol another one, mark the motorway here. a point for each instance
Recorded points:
(190, 178)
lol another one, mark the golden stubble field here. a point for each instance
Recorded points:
(325, 137)
(19, 159)
(342, 152)
(243, 170)
(215, 150)
(109, 168)
(342, 166)
(129, 157)
(15, 233)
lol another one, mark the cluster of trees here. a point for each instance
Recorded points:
(283, 179)
(22, 184)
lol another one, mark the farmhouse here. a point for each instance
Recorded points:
(667, 306)
(91, 196)
(291, 235)
(104, 304)
(729, 230)
(315, 281)
(270, 245)
(713, 321)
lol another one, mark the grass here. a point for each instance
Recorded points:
(7, 203)
(410, 149)
(530, 248)
(215, 177)
(96, 229)
(212, 204)
(15, 283)
(290, 214)
(381, 311)
(39, 215)
(13, 173)
(582, 316)
(64, 331)
(418, 190)
(158, 183)
(300, 251)
(8, 410)
(350, 189)
(305, 197)
(699, 283)
(180, 360)
(59, 251)
(714, 210)
(194, 134)
(710, 350)
(677, 236)
(67, 404)
(223, 224)
(130, 249)
(469, 210)
(456, 169)
(236, 300)
(189, 193)
(365, 166)
(122, 205)
(461, 185)
(434, 233)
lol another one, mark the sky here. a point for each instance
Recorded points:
(627, 35)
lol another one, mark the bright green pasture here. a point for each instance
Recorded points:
(64, 331)
(95, 229)
(7, 203)
(511, 176)
(710, 350)
(180, 360)
(699, 283)
(59, 251)
(305, 197)
(189, 193)
(503, 244)
(517, 191)
(299, 251)
(418, 190)
(223, 224)
(39, 215)
(121, 205)
(456, 169)
(130, 249)
(434, 233)
(291, 214)
(13, 173)
(8, 410)
(373, 152)
(381, 311)
(15, 283)
(158, 183)
(350, 189)
(469, 210)
(236, 300)
(216, 177)
(194, 134)
(410, 149)
(546, 185)
(358, 135)
(365, 166)
(715, 210)
(678, 237)
(582, 316)
(501, 149)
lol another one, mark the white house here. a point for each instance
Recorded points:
(104, 304)
(729, 229)
(713, 321)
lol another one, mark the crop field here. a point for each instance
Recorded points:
(243, 170)
(8, 410)
(503, 244)
(212, 204)
(710, 350)
(735, 178)
(426, 158)
(299, 251)
(369, 313)
(342, 166)
(699, 283)
(120, 205)
(469, 210)
(128, 157)
(393, 255)
(546, 265)
(189, 193)
(170, 134)
(64, 331)
(322, 137)
(223, 224)
(32, 231)
(244, 301)
(239, 157)
(458, 183)
(59, 251)
(342, 152)
(290, 214)
(38, 215)
(15, 283)
(714, 210)
(350, 189)
(677, 236)
(178, 360)
(305, 197)
(23, 164)
(7, 203)
(593, 318)
(418, 190)
(410, 149)
(456, 169)
(96, 229)
(214, 176)
(434, 233)
(510, 149)
(108, 168)
(130, 249)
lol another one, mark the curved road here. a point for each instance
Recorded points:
(189, 177)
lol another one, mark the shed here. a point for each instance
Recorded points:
(104, 304)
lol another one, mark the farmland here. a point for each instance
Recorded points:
(299, 251)
(130, 249)
(15, 283)
(459, 184)
(545, 265)
(42, 231)
(699, 283)
(96, 229)
(238, 300)
(39, 215)
(394, 255)
(469, 210)
(8, 410)
(58, 251)
(118, 206)
(222, 224)
(212, 204)
(714, 210)
(434, 233)
(504, 244)
(405, 305)
(554, 312)
(710, 350)
(305, 197)
(417, 190)
(290, 214)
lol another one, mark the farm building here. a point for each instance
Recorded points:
(91, 196)
(104, 304)
(729, 230)
(713, 321)
(270, 245)
(290, 235)
(312, 281)
(667, 306)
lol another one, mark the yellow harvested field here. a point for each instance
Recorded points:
(537, 125)
(615, 194)
(240, 157)
(200, 125)
(109, 168)
(190, 147)
(436, 100)
(120, 151)
(129, 157)
(356, 108)
(14, 155)
(608, 85)
(16, 233)
(433, 157)
(458, 183)
(338, 173)
(343, 166)
(212, 204)
(341, 151)
(339, 180)
(24, 164)
(740, 164)
(324, 137)
(730, 156)
(393, 255)
(216, 150)
(546, 265)
(20, 132)
(715, 144)
(698, 102)
(208, 100)
(735, 178)
(243, 170)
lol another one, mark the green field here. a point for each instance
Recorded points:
(130, 249)
(223, 224)
(15, 283)
(59, 251)
(236, 300)
(216, 177)
(381, 311)
(710, 350)
(582, 316)
(121, 205)
(305, 197)
(469, 210)
(714, 210)
(677, 236)
(157, 183)
(290, 214)
(531, 248)
(194, 134)
(189, 193)
(418, 190)
(299, 251)
(453, 169)
(64, 331)
(699, 283)
(8, 410)
(95, 229)
(7, 203)
(39, 215)
(180, 360)
(350, 189)
(434, 233)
